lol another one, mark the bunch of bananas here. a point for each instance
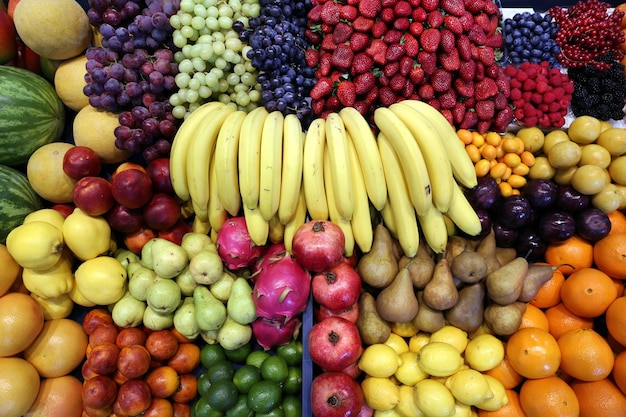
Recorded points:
(225, 161)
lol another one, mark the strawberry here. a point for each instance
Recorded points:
(458, 111)
(485, 89)
(426, 91)
(371, 96)
(359, 41)
(464, 88)
(362, 24)
(332, 103)
(325, 65)
(416, 75)
(441, 80)
(492, 71)
(362, 107)
(346, 93)
(447, 41)
(388, 3)
(391, 69)
(447, 114)
(474, 6)
(428, 61)
(430, 5)
(500, 101)
(342, 32)
(483, 126)
(435, 19)
(386, 96)
(312, 57)
(383, 80)
(495, 41)
(364, 83)
(397, 83)
(328, 44)
(379, 29)
(377, 51)
(453, 7)
(318, 106)
(330, 13)
(403, 9)
(504, 118)
(387, 15)
(370, 8)
(314, 38)
(409, 89)
(467, 70)
(482, 21)
(395, 51)
(415, 3)
(429, 39)
(361, 63)
(450, 61)
(348, 12)
(392, 36)
(322, 88)
(485, 109)
(402, 24)
(342, 56)
(469, 120)
(477, 35)
(416, 28)
(314, 14)
(453, 23)
(467, 21)
(336, 76)
(419, 14)
(406, 64)
(434, 102)
(463, 45)
(447, 99)
(480, 71)
(411, 45)
(491, 8)
(503, 85)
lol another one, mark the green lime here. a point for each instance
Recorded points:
(240, 409)
(256, 357)
(239, 355)
(204, 383)
(203, 409)
(293, 383)
(209, 354)
(245, 377)
(275, 368)
(292, 406)
(292, 352)
(264, 396)
(221, 370)
(222, 395)
(275, 412)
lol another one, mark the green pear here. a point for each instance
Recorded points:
(210, 312)
(206, 267)
(140, 279)
(185, 319)
(125, 256)
(146, 254)
(222, 288)
(186, 282)
(164, 296)
(194, 242)
(240, 305)
(128, 311)
(169, 259)
(233, 335)
(154, 320)
(209, 337)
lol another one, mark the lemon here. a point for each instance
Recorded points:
(409, 373)
(499, 400)
(452, 335)
(379, 360)
(418, 341)
(405, 329)
(433, 398)
(439, 359)
(407, 407)
(380, 393)
(397, 342)
(469, 387)
(462, 410)
(484, 352)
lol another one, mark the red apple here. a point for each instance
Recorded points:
(336, 394)
(8, 40)
(133, 361)
(103, 358)
(127, 165)
(135, 241)
(64, 209)
(175, 233)
(351, 313)
(99, 392)
(131, 188)
(159, 172)
(133, 398)
(334, 343)
(161, 212)
(337, 288)
(123, 219)
(93, 195)
(81, 161)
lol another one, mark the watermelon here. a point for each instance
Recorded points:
(17, 200)
(32, 114)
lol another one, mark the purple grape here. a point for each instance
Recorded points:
(116, 71)
(107, 31)
(167, 128)
(122, 133)
(99, 5)
(112, 17)
(126, 119)
(162, 65)
(144, 24)
(150, 126)
(161, 21)
(557, 226)
(133, 90)
(592, 224)
(140, 113)
(122, 34)
(119, 4)
(113, 86)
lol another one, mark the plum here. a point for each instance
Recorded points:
(570, 200)
(530, 244)
(592, 224)
(557, 226)
(514, 211)
(505, 236)
(485, 194)
(541, 193)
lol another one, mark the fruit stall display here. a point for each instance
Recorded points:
(323, 208)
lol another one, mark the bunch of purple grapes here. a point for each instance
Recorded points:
(133, 72)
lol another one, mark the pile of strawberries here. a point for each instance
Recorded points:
(372, 53)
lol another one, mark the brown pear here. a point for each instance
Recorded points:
(487, 247)
(469, 266)
(420, 267)
(505, 255)
(537, 275)
(441, 292)
(427, 319)
(456, 245)
(504, 285)
(397, 302)
(372, 328)
(468, 312)
(504, 320)
(379, 266)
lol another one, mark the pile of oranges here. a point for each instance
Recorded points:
(568, 357)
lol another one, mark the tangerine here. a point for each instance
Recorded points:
(504, 372)
(616, 320)
(548, 397)
(619, 371)
(533, 353)
(588, 292)
(618, 221)
(512, 409)
(585, 355)
(561, 320)
(534, 317)
(549, 293)
(609, 254)
(570, 255)
(599, 398)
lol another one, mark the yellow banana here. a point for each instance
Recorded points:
(463, 214)
(435, 155)
(199, 157)
(388, 220)
(410, 156)
(249, 156)
(462, 166)
(313, 170)
(337, 145)
(226, 151)
(293, 154)
(216, 212)
(404, 215)
(333, 212)
(180, 146)
(434, 229)
(258, 227)
(200, 226)
(367, 151)
(361, 221)
(271, 164)
(297, 220)
(276, 230)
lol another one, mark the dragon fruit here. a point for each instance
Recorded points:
(234, 245)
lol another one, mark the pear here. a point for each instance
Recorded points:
(505, 255)
(420, 267)
(128, 311)
(169, 259)
(222, 288)
(467, 313)
(427, 319)
(210, 336)
(154, 320)
(397, 302)
(185, 319)
(504, 285)
(164, 296)
(456, 245)
(536, 276)
(372, 328)
(146, 254)
(504, 320)
(379, 266)
(140, 279)
(240, 306)
(469, 266)
(125, 256)
(488, 248)
(185, 282)
(194, 242)
(206, 267)
(233, 335)
(210, 312)
(441, 292)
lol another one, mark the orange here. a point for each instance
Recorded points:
(599, 398)
(58, 397)
(549, 293)
(548, 397)
(534, 317)
(588, 292)
(585, 355)
(533, 353)
(618, 221)
(10, 271)
(619, 286)
(571, 254)
(616, 320)
(619, 371)
(19, 384)
(561, 320)
(512, 409)
(622, 7)
(504, 372)
(21, 320)
(609, 254)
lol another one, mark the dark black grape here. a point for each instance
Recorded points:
(592, 224)
(514, 211)
(541, 193)
(557, 226)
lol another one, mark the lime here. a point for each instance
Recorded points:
(275, 368)
(264, 396)
(204, 383)
(245, 377)
(240, 409)
(222, 395)
(203, 409)
(256, 357)
(221, 370)
(292, 406)
(291, 352)
(209, 354)
(240, 354)
(293, 383)
(275, 412)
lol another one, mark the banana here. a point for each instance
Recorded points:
(435, 155)
(200, 226)
(258, 227)
(369, 157)
(216, 212)
(463, 214)
(388, 220)
(361, 221)
(434, 229)
(276, 230)
(313, 170)
(180, 146)
(271, 164)
(297, 220)
(199, 157)
(333, 211)
(249, 156)
(462, 166)
(410, 157)
(404, 215)
(226, 151)
(337, 145)
(291, 181)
